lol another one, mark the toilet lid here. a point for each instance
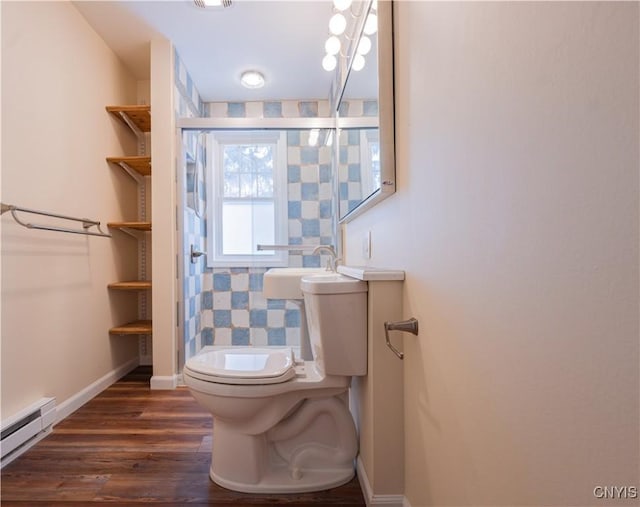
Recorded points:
(244, 365)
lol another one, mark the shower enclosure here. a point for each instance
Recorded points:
(239, 188)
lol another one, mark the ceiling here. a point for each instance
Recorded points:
(282, 39)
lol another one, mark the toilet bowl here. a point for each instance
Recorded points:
(281, 425)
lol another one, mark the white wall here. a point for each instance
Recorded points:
(57, 78)
(516, 220)
(164, 240)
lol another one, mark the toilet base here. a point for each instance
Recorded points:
(279, 480)
(312, 449)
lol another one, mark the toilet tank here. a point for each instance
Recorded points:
(336, 310)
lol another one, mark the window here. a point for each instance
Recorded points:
(249, 205)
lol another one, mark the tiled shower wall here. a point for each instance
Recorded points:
(234, 310)
(226, 305)
(188, 104)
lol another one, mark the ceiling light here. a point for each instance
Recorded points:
(371, 24)
(329, 63)
(364, 46)
(358, 62)
(204, 4)
(337, 24)
(252, 79)
(332, 46)
(342, 5)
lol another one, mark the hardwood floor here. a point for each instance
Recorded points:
(131, 445)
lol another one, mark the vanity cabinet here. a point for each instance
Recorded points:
(138, 167)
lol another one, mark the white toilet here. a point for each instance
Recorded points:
(281, 426)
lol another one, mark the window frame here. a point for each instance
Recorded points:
(215, 257)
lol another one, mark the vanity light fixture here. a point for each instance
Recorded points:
(358, 62)
(371, 24)
(337, 24)
(329, 62)
(252, 79)
(332, 45)
(342, 5)
(364, 46)
(337, 27)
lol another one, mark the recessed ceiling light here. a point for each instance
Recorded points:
(204, 4)
(252, 79)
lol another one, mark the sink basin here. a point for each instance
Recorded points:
(284, 283)
(332, 283)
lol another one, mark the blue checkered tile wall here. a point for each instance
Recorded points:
(187, 105)
(233, 310)
(350, 191)
(226, 306)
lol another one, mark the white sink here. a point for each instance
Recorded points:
(284, 283)
(332, 283)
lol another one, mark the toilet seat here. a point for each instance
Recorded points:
(243, 365)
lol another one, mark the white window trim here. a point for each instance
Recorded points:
(215, 258)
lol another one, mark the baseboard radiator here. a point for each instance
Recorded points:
(25, 428)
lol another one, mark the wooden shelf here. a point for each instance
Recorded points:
(132, 328)
(140, 116)
(141, 165)
(133, 285)
(138, 226)
(138, 120)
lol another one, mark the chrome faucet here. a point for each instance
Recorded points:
(332, 263)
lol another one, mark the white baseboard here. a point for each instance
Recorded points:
(164, 382)
(373, 499)
(70, 405)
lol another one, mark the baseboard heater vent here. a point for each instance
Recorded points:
(25, 428)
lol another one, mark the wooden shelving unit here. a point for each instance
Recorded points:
(140, 116)
(132, 285)
(138, 226)
(140, 164)
(138, 119)
(137, 327)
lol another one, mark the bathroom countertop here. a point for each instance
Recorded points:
(369, 273)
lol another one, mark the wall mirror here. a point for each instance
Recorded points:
(365, 152)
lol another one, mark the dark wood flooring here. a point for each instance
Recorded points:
(130, 446)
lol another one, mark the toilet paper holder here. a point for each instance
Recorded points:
(408, 326)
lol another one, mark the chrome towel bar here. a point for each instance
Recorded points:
(86, 223)
(409, 326)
